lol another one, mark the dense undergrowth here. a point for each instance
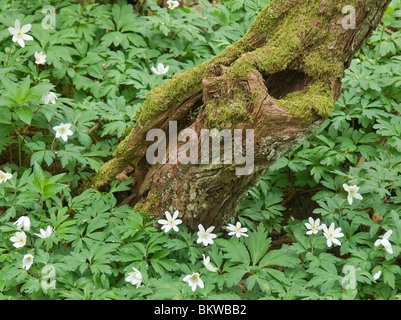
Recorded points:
(98, 70)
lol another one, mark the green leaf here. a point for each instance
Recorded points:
(24, 114)
(234, 275)
(5, 115)
(279, 258)
(258, 244)
(235, 251)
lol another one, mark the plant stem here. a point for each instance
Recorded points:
(19, 148)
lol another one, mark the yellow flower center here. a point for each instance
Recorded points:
(19, 33)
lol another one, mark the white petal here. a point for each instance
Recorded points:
(350, 199)
(200, 283)
(389, 249)
(201, 228)
(210, 229)
(17, 24)
(388, 234)
(21, 42)
(27, 37)
(358, 196)
(377, 275)
(26, 28)
(329, 243)
(162, 221)
(385, 242)
(168, 215)
(336, 241)
(346, 187)
(175, 214)
(378, 242)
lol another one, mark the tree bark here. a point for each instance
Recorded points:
(281, 80)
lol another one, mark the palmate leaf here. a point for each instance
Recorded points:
(258, 244)
(235, 251)
(41, 154)
(71, 155)
(281, 258)
(161, 264)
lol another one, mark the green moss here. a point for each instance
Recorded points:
(108, 172)
(223, 114)
(172, 93)
(145, 206)
(319, 64)
(318, 98)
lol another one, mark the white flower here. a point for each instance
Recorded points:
(49, 97)
(172, 4)
(45, 234)
(23, 222)
(135, 278)
(63, 131)
(40, 58)
(352, 193)
(313, 226)
(161, 69)
(27, 261)
(194, 280)
(237, 230)
(4, 176)
(19, 239)
(171, 222)
(208, 265)
(18, 33)
(377, 275)
(385, 243)
(206, 237)
(332, 235)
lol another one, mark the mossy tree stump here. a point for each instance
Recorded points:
(281, 80)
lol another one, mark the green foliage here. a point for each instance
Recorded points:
(98, 63)
(358, 145)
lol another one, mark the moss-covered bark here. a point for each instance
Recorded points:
(281, 79)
